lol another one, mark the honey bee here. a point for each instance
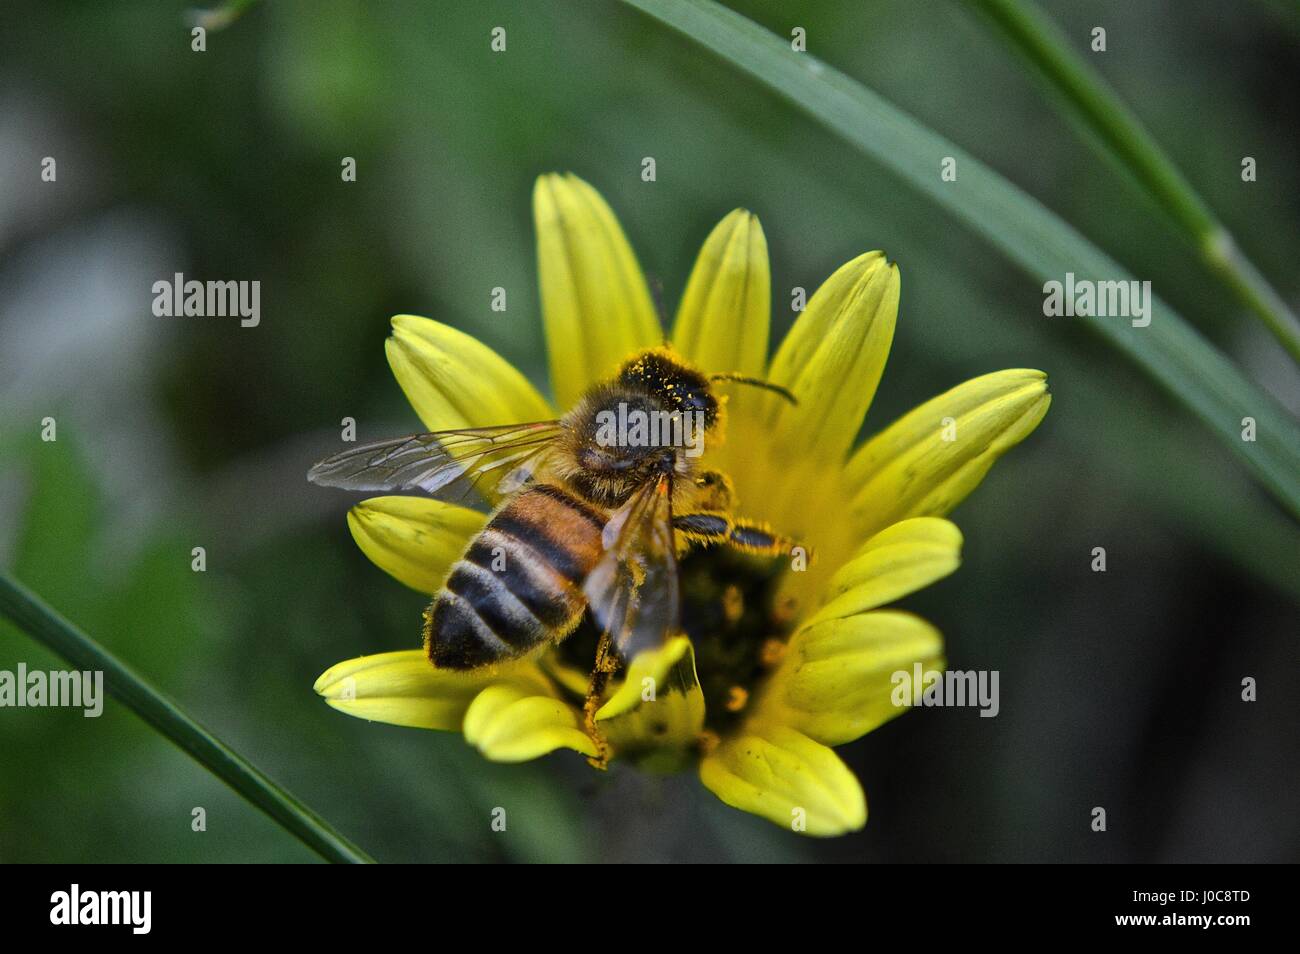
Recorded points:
(587, 513)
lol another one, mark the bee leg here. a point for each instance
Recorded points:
(606, 663)
(704, 527)
(751, 537)
(747, 536)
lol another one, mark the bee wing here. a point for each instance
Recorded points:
(474, 464)
(633, 589)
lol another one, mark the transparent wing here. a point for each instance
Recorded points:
(472, 466)
(633, 589)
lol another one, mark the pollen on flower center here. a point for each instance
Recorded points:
(736, 622)
(730, 611)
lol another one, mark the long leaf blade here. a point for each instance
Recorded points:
(30, 614)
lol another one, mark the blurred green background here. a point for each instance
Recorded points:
(1120, 689)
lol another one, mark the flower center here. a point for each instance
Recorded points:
(735, 620)
(731, 612)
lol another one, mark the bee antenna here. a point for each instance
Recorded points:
(755, 382)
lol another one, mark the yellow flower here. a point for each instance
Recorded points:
(777, 663)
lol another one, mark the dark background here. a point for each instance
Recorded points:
(1119, 690)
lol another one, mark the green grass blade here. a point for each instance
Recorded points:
(1040, 43)
(1037, 240)
(41, 622)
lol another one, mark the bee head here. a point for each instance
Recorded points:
(679, 388)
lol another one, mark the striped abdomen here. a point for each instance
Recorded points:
(520, 582)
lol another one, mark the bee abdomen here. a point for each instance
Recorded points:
(519, 584)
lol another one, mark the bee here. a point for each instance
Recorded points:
(588, 513)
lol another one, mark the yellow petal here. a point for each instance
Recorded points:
(595, 305)
(927, 461)
(658, 707)
(573, 679)
(404, 688)
(722, 324)
(454, 380)
(782, 775)
(837, 679)
(413, 539)
(509, 722)
(833, 357)
(898, 560)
